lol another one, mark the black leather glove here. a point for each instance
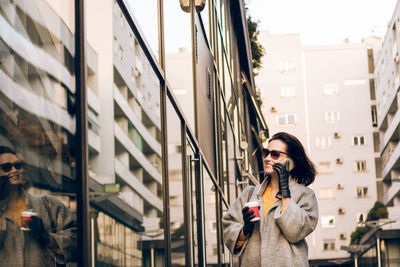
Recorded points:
(283, 174)
(248, 215)
(38, 231)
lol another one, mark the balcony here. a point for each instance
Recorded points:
(394, 160)
(391, 131)
(125, 174)
(393, 191)
(136, 153)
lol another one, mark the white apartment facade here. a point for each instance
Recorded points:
(322, 96)
(387, 81)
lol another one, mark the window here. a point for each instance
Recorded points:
(214, 227)
(324, 167)
(359, 140)
(360, 165)
(328, 244)
(328, 221)
(332, 116)
(330, 89)
(361, 217)
(287, 119)
(362, 192)
(288, 91)
(285, 66)
(323, 142)
(353, 82)
(326, 193)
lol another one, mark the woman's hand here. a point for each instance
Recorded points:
(283, 175)
(248, 215)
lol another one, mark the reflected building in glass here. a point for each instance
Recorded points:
(171, 124)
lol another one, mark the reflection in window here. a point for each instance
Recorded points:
(37, 133)
(210, 217)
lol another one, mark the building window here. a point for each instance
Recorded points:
(287, 119)
(288, 91)
(359, 140)
(330, 89)
(353, 82)
(286, 66)
(361, 217)
(362, 192)
(324, 167)
(326, 193)
(213, 227)
(332, 116)
(323, 142)
(328, 221)
(328, 244)
(360, 165)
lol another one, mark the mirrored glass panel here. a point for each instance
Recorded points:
(146, 14)
(37, 133)
(176, 187)
(210, 222)
(124, 143)
(178, 56)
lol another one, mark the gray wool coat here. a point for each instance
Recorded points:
(279, 238)
(19, 249)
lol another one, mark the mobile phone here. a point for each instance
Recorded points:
(288, 163)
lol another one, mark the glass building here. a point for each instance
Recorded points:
(139, 117)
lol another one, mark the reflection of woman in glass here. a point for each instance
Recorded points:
(48, 237)
(288, 209)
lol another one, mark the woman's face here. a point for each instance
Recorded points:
(276, 153)
(11, 169)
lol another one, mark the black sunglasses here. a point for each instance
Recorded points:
(6, 167)
(275, 154)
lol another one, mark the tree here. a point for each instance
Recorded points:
(378, 211)
(257, 50)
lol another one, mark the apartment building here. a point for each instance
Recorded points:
(387, 83)
(166, 155)
(322, 95)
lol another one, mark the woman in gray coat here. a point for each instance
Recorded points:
(48, 238)
(288, 209)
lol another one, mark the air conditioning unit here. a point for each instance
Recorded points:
(339, 161)
(336, 135)
(397, 58)
(341, 211)
(273, 110)
(340, 187)
(342, 236)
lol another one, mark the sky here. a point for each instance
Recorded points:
(322, 22)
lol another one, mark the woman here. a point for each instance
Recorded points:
(288, 209)
(49, 238)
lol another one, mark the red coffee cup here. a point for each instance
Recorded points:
(26, 217)
(253, 205)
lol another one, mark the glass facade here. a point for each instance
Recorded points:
(130, 146)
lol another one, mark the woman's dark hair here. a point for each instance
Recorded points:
(6, 150)
(304, 170)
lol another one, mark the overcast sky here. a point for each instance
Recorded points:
(324, 21)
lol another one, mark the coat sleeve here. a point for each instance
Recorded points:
(299, 219)
(232, 221)
(65, 230)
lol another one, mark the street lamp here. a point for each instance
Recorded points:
(199, 4)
